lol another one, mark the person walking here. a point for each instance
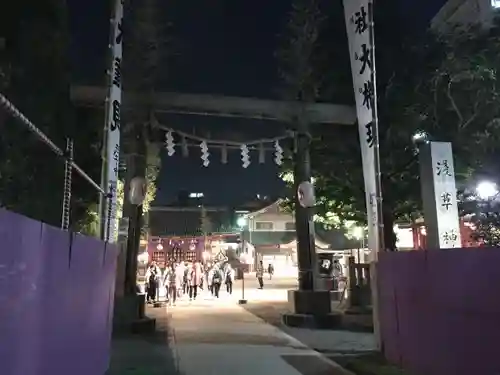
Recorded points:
(210, 276)
(270, 271)
(259, 273)
(151, 277)
(185, 279)
(171, 282)
(216, 281)
(229, 279)
(179, 271)
(194, 280)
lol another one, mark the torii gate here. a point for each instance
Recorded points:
(249, 108)
(220, 106)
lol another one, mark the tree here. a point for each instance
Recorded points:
(443, 85)
(485, 221)
(36, 78)
(147, 50)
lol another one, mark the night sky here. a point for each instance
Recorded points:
(225, 47)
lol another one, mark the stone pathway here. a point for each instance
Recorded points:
(218, 336)
(144, 354)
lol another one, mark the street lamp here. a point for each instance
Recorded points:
(486, 190)
(242, 223)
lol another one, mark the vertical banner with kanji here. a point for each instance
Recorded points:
(359, 24)
(445, 195)
(113, 120)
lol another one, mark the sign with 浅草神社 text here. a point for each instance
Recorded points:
(439, 195)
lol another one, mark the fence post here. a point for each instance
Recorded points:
(353, 282)
(68, 171)
(110, 211)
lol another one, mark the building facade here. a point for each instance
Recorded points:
(271, 233)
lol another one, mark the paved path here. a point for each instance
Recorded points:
(144, 354)
(218, 336)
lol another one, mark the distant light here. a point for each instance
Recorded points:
(420, 136)
(241, 222)
(143, 257)
(196, 195)
(159, 247)
(486, 190)
(358, 233)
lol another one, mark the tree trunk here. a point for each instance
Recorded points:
(389, 235)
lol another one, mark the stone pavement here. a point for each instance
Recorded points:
(212, 336)
(144, 354)
(216, 336)
(271, 302)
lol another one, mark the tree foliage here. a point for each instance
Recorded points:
(486, 224)
(444, 85)
(299, 51)
(35, 76)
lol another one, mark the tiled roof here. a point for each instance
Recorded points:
(335, 238)
(259, 238)
(186, 222)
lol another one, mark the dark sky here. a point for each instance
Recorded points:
(225, 47)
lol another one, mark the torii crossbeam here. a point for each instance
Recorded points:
(219, 106)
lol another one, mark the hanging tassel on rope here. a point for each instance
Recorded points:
(204, 153)
(245, 157)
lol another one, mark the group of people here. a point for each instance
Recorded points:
(188, 279)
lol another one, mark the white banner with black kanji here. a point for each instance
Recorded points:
(358, 16)
(113, 120)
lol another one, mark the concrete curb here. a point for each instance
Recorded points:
(172, 344)
(339, 370)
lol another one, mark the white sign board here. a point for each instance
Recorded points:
(113, 124)
(358, 24)
(445, 194)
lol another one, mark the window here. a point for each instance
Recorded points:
(290, 226)
(177, 254)
(159, 258)
(495, 3)
(263, 225)
(190, 256)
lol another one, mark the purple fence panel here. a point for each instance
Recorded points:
(404, 276)
(109, 271)
(56, 299)
(447, 310)
(412, 305)
(21, 262)
(55, 313)
(465, 282)
(90, 303)
(466, 277)
(388, 310)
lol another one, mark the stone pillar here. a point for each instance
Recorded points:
(439, 195)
